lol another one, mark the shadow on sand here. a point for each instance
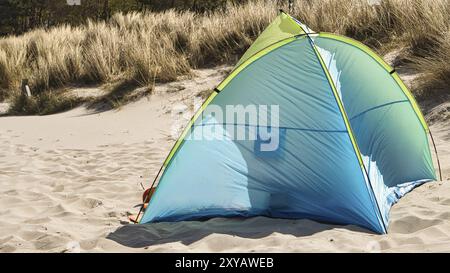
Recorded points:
(188, 232)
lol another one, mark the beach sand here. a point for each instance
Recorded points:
(69, 181)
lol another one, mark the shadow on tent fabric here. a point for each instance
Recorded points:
(189, 232)
(252, 226)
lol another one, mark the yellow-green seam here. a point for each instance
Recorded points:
(349, 128)
(340, 105)
(253, 58)
(188, 127)
(386, 66)
(222, 85)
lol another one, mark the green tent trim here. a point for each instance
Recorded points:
(283, 31)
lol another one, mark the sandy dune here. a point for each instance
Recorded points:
(68, 182)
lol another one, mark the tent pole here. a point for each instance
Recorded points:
(148, 195)
(147, 198)
(437, 156)
(349, 128)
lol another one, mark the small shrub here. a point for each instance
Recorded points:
(42, 104)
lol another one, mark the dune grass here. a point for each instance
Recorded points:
(146, 48)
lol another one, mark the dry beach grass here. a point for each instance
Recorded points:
(144, 48)
(159, 47)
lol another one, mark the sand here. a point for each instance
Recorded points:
(68, 182)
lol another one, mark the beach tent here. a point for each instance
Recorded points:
(350, 138)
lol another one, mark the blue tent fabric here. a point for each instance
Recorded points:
(225, 177)
(314, 171)
(389, 134)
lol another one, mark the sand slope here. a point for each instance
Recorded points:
(68, 182)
